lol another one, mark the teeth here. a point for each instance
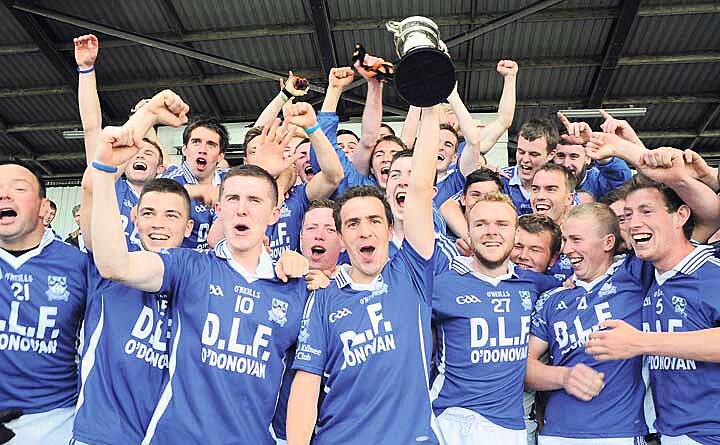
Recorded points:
(318, 250)
(542, 207)
(308, 170)
(642, 237)
(159, 237)
(491, 244)
(575, 260)
(385, 170)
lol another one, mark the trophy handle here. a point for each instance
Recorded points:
(393, 27)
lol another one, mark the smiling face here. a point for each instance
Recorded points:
(589, 250)
(162, 220)
(143, 167)
(202, 152)
(319, 240)
(532, 251)
(492, 226)
(447, 152)
(365, 234)
(549, 194)
(22, 210)
(381, 159)
(530, 157)
(655, 232)
(573, 158)
(246, 208)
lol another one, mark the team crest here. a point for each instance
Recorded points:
(565, 263)
(285, 212)
(607, 289)
(57, 288)
(380, 290)
(679, 303)
(525, 299)
(128, 204)
(278, 313)
(304, 333)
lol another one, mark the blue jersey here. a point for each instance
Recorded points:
(483, 326)
(513, 188)
(564, 319)
(452, 184)
(285, 234)
(42, 300)
(373, 343)
(124, 362)
(202, 215)
(127, 198)
(443, 253)
(686, 392)
(329, 123)
(602, 178)
(231, 333)
(562, 268)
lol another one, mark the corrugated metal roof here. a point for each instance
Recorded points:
(677, 34)
(11, 32)
(139, 63)
(681, 143)
(57, 107)
(214, 14)
(77, 165)
(661, 80)
(8, 145)
(48, 142)
(398, 10)
(670, 116)
(245, 96)
(28, 70)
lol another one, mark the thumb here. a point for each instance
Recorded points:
(605, 114)
(610, 324)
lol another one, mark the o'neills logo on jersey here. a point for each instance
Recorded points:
(359, 347)
(57, 288)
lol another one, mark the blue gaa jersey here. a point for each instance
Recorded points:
(124, 362)
(483, 327)
(562, 269)
(42, 301)
(285, 234)
(513, 188)
(450, 185)
(373, 343)
(127, 198)
(231, 333)
(686, 392)
(202, 215)
(564, 318)
(443, 253)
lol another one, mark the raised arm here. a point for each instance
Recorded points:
(323, 184)
(620, 128)
(480, 141)
(86, 51)
(142, 270)
(371, 120)
(418, 206)
(606, 145)
(293, 87)
(410, 126)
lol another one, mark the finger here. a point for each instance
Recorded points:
(610, 324)
(273, 129)
(605, 115)
(564, 120)
(288, 135)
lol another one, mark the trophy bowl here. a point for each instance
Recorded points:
(425, 74)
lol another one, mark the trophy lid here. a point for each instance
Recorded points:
(424, 77)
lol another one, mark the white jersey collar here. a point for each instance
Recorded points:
(463, 265)
(687, 265)
(265, 269)
(16, 262)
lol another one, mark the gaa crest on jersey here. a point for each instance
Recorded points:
(128, 204)
(383, 289)
(57, 288)
(607, 289)
(679, 304)
(565, 263)
(525, 299)
(278, 312)
(285, 212)
(304, 332)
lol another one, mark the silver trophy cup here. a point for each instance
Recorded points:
(425, 75)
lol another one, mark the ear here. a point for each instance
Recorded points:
(188, 227)
(682, 215)
(221, 156)
(133, 214)
(609, 242)
(274, 216)
(184, 151)
(435, 190)
(44, 208)
(160, 169)
(551, 155)
(462, 199)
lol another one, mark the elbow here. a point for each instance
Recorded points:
(336, 176)
(109, 271)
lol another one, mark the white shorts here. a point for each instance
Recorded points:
(460, 426)
(48, 428)
(553, 440)
(678, 440)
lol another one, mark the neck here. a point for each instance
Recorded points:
(599, 271)
(526, 184)
(137, 185)
(441, 175)
(247, 259)
(673, 257)
(26, 241)
(398, 229)
(490, 270)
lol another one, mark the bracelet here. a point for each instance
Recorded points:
(288, 95)
(104, 168)
(86, 70)
(312, 129)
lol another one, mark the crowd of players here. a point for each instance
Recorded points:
(426, 303)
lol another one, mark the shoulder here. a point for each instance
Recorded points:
(71, 254)
(548, 298)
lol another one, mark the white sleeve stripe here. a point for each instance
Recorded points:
(88, 361)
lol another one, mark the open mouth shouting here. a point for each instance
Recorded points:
(7, 215)
(308, 170)
(367, 253)
(139, 166)
(641, 240)
(542, 207)
(317, 251)
(201, 163)
(241, 229)
(400, 199)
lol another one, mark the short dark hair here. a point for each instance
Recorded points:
(390, 138)
(538, 128)
(451, 129)
(616, 194)
(161, 156)
(672, 200)
(482, 175)
(390, 129)
(75, 209)
(211, 124)
(346, 131)
(253, 171)
(319, 204)
(361, 191)
(52, 204)
(538, 223)
(165, 185)
(568, 176)
(42, 192)
(407, 154)
(250, 135)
